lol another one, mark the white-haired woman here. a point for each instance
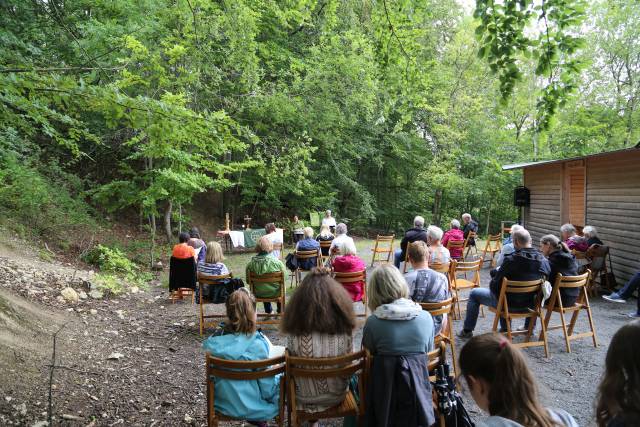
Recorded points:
(591, 234)
(438, 254)
(453, 234)
(308, 243)
(398, 325)
(571, 238)
(349, 262)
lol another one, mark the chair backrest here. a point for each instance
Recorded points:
(353, 277)
(325, 367)
(494, 243)
(455, 244)
(244, 369)
(385, 239)
(471, 235)
(257, 280)
(437, 356)
(572, 281)
(521, 287)
(441, 268)
(466, 266)
(597, 254)
(438, 308)
(205, 279)
(325, 243)
(306, 254)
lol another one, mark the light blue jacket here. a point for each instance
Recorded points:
(255, 400)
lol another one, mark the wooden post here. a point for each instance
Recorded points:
(226, 222)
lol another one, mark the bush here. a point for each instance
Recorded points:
(117, 271)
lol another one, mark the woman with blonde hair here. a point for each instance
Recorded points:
(503, 386)
(325, 236)
(238, 339)
(212, 264)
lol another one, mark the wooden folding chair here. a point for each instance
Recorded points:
(459, 284)
(354, 277)
(327, 367)
(442, 268)
(472, 235)
(325, 244)
(256, 281)
(492, 247)
(181, 293)
(555, 305)
(435, 358)
(381, 248)
(510, 287)
(242, 370)
(203, 281)
(456, 244)
(597, 256)
(445, 309)
(304, 255)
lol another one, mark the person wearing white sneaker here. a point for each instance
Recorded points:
(623, 294)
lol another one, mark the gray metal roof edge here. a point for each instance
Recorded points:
(543, 162)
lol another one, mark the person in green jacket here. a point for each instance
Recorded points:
(264, 263)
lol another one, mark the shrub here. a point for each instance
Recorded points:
(117, 271)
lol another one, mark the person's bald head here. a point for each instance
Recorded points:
(521, 239)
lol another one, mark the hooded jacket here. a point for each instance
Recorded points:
(522, 265)
(350, 264)
(565, 264)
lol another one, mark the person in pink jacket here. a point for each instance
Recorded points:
(453, 234)
(349, 262)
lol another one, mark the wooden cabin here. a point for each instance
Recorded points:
(601, 190)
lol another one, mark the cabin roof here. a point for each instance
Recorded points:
(545, 162)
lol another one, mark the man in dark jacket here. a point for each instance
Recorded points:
(418, 232)
(525, 264)
(469, 225)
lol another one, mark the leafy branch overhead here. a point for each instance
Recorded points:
(546, 31)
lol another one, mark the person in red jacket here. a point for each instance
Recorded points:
(453, 234)
(349, 262)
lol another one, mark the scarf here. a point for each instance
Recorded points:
(400, 309)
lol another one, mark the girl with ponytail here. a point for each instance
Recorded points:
(561, 261)
(502, 385)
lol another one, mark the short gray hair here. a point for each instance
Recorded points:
(568, 228)
(590, 231)
(522, 237)
(455, 223)
(434, 233)
(418, 221)
(386, 285)
(347, 247)
(516, 227)
(341, 228)
(466, 215)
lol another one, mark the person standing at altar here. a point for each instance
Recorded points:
(329, 221)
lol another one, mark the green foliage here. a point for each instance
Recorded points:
(117, 271)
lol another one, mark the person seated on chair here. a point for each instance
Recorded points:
(572, 240)
(625, 293)
(591, 234)
(308, 243)
(438, 254)
(414, 234)
(453, 234)
(212, 265)
(238, 339)
(616, 402)
(349, 262)
(182, 250)
(197, 244)
(298, 229)
(341, 235)
(329, 221)
(426, 285)
(525, 264)
(469, 225)
(561, 261)
(502, 385)
(319, 322)
(508, 248)
(275, 238)
(325, 236)
(265, 263)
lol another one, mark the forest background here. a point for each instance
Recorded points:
(114, 109)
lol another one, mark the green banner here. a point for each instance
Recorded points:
(251, 237)
(314, 218)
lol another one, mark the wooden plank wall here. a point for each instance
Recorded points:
(613, 207)
(543, 216)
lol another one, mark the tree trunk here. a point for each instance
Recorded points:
(437, 207)
(152, 225)
(167, 221)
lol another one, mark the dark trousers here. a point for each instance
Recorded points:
(268, 309)
(630, 287)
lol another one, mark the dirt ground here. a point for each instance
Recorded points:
(136, 360)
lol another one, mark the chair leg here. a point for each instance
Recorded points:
(544, 336)
(593, 329)
(496, 319)
(564, 330)
(509, 335)
(453, 349)
(572, 324)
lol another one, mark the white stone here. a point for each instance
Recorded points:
(70, 295)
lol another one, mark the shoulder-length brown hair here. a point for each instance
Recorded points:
(321, 305)
(241, 312)
(513, 391)
(619, 391)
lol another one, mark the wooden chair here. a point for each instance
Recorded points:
(256, 281)
(304, 255)
(472, 235)
(492, 247)
(435, 358)
(444, 269)
(445, 309)
(327, 367)
(597, 256)
(237, 370)
(356, 276)
(456, 244)
(555, 305)
(181, 293)
(384, 245)
(325, 244)
(204, 280)
(458, 284)
(510, 287)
